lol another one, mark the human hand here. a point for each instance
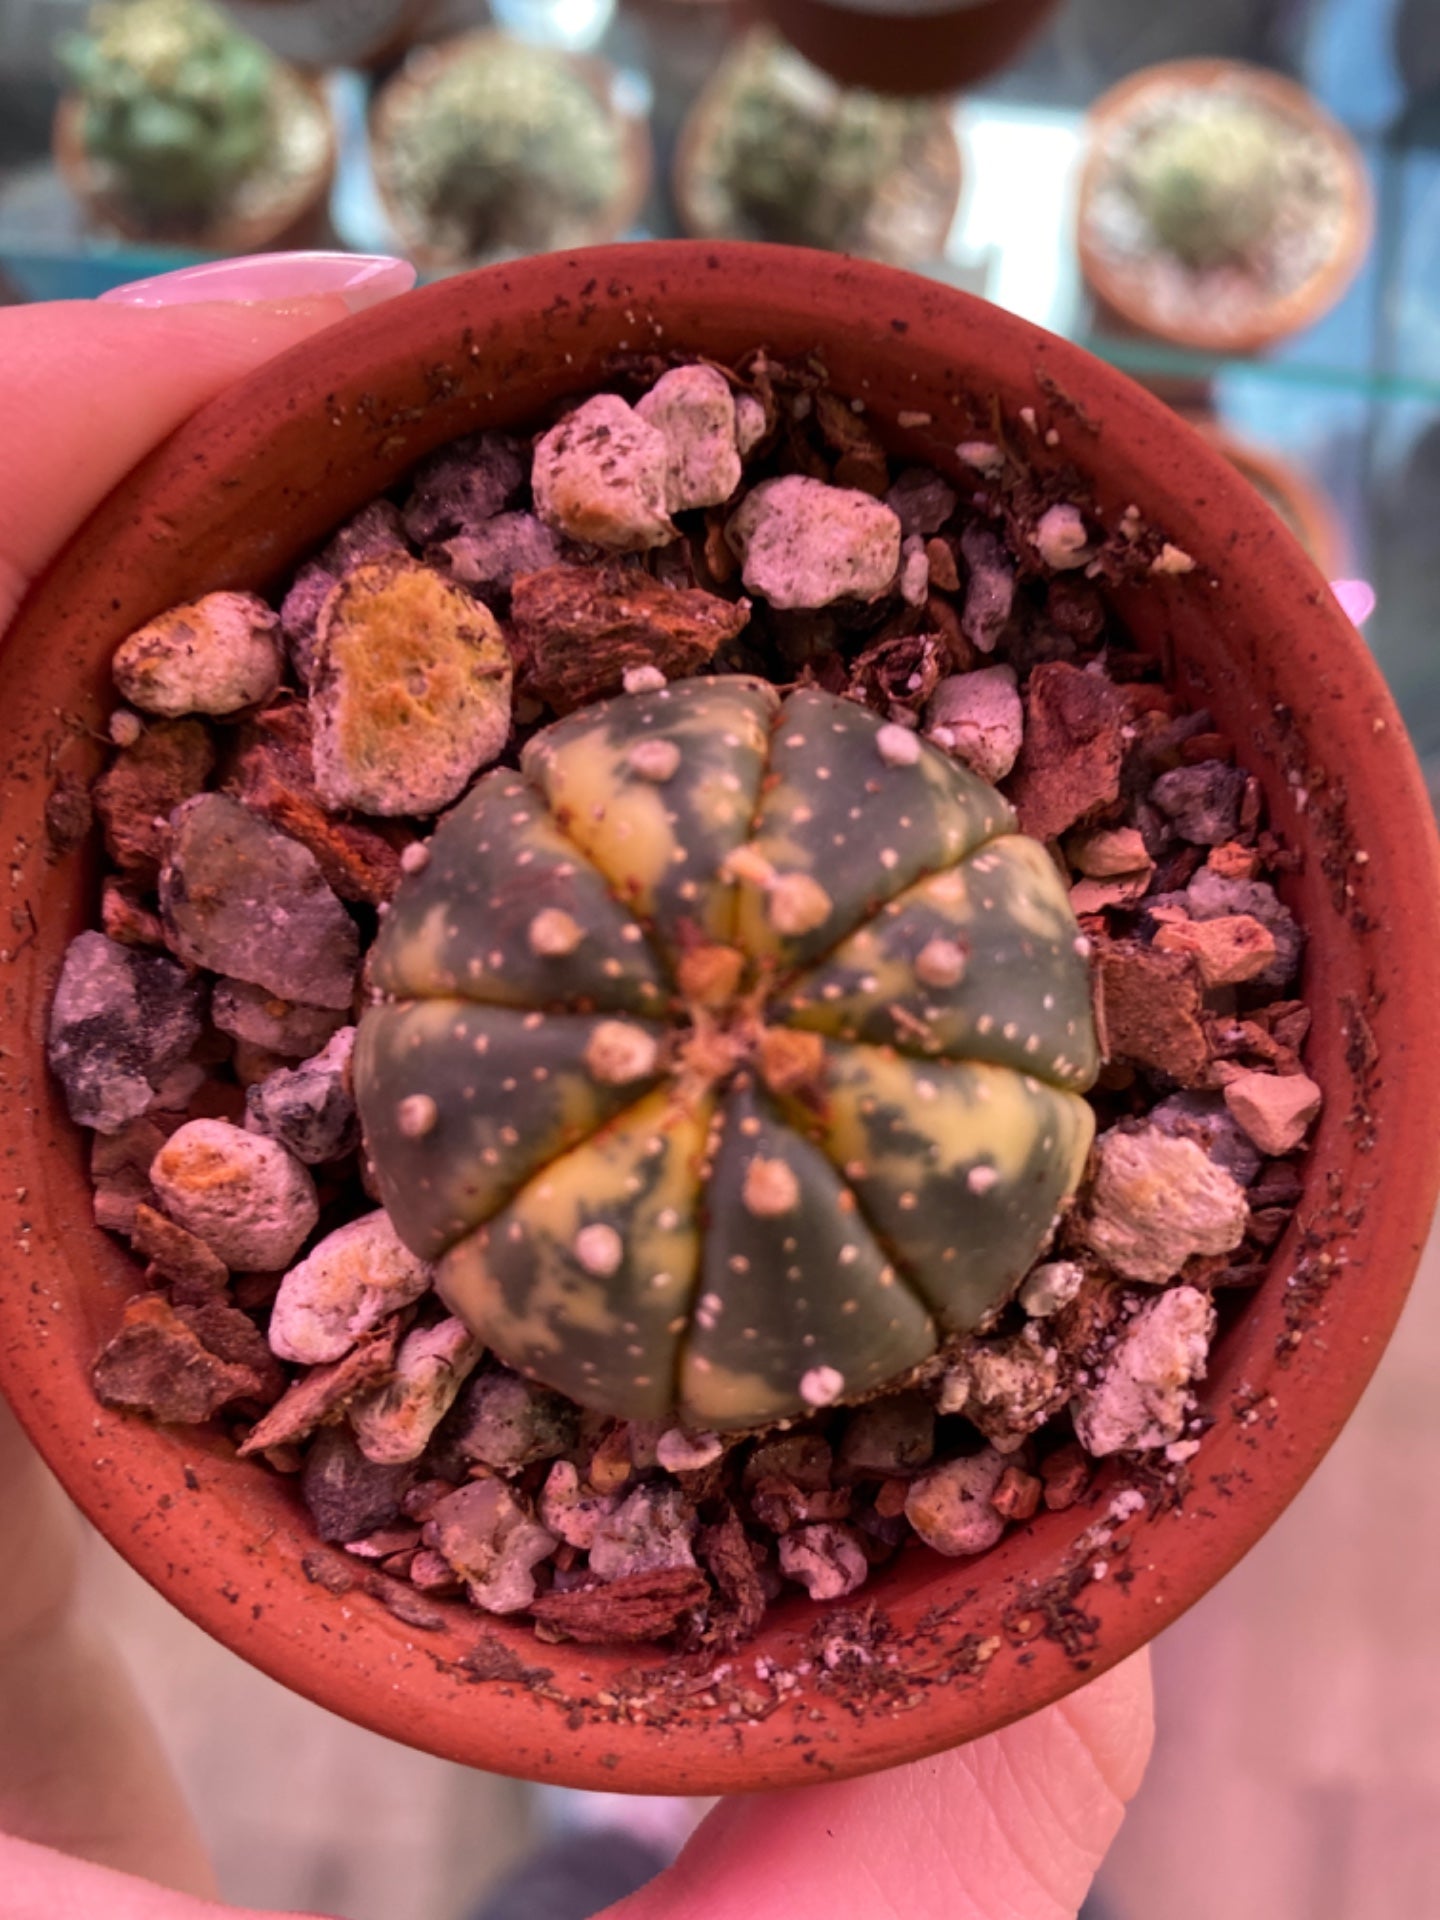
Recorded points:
(1013, 1825)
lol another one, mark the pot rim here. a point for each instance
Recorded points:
(969, 1653)
(1123, 292)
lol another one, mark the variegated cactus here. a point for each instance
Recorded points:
(730, 1054)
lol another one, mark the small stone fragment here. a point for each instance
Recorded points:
(263, 1019)
(583, 631)
(1069, 765)
(983, 455)
(571, 1512)
(914, 572)
(243, 899)
(395, 1423)
(1210, 895)
(1157, 1200)
(1051, 1286)
(411, 690)
(751, 423)
(1109, 854)
(374, 532)
(680, 1452)
(322, 1394)
(804, 1459)
(494, 557)
(125, 918)
(1276, 1110)
(1064, 1475)
(989, 587)
(1202, 801)
(1016, 1383)
(179, 1259)
(1150, 1006)
(652, 1528)
(274, 775)
(349, 1283)
(1228, 950)
(125, 727)
(1017, 1496)
(310, 1108)
(921, 499)
(122, 1020)
(602, 475)
(166, 764)
(944, 574)
(347, 1495)
(232, 1336)
(120, 1172)
(806, 544)
(463, 485)
(693, 409)
(217, 655)
(950, 1507)
(1142, 1396)
(979, 718)
(1205, 1119)
(828, 1561)
(894, 1435)
(487, 1535)
(243, 1195)
(643, 1606)
(509, 1423)
(69, 813)
(1060, 538)
(158, 1365)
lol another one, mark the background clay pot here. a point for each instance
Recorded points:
(297, 218)
(906, 46)
(937, 1651)
(1309, 513)
(1122, 294)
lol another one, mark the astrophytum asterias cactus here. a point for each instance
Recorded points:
(731, 1054)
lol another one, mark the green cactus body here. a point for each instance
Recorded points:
(176, 99)
(732, 1056)
(1209, 182)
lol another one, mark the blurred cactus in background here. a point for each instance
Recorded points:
(505, 147)
(1209, 181)
(803, 158)
(176, 100)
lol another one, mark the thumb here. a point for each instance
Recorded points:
(91, 387)
(1012, 1827)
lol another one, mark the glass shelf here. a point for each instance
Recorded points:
(1353, 403)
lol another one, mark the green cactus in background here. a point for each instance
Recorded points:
(1209, 181)
(506, 147)
(177, 100)
(802, 159)
(730, 1056)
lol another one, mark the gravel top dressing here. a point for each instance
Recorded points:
(683, 1016)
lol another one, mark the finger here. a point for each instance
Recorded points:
(40, 1884)
(91, 387)
(1012, 1827)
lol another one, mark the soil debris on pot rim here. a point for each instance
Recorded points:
(965, 619)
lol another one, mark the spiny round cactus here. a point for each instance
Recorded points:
(501, 146)
(731, 1054)
(176, 99)
(1208, 181)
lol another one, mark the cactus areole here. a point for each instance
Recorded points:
(730, 1055)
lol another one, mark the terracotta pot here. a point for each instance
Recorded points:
(1309, 513)
(297, 218)
(1126, 293)
(951, 1649)
(417, 74)
(701, 128)
(905, 46)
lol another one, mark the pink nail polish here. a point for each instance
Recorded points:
(360, 280)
